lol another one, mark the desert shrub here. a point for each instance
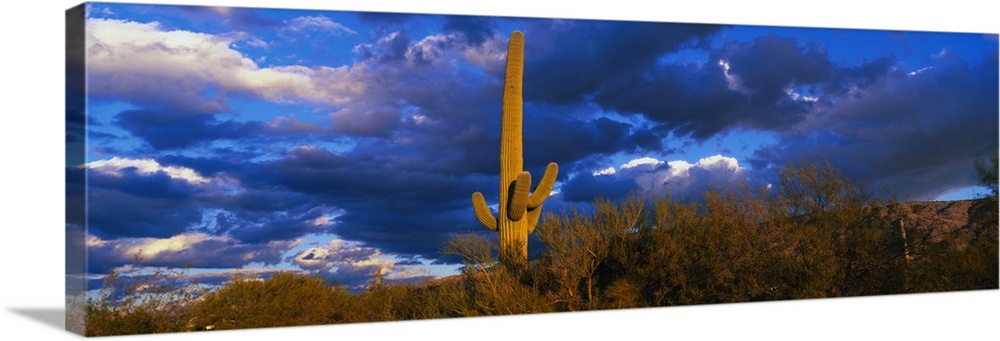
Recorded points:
(965, 258)
(141, 300)
(404, 301)
(849, 231)
(487, 286)
(985, 226)
(389, 303)
(284, 299)
(817, 235)
(585, 251)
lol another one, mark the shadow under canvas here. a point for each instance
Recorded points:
(53, 317)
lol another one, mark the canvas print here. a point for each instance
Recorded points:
(232, 168)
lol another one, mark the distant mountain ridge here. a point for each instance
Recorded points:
(946, 215)
(940, 219)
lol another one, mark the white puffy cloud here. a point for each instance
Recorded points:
(687, 179)
(347, 261)
(313, 258)
(318, 23)
(145, 63)
(153, 247)
(356, 265)
(196, 249)
(606, 171)
(324, 220)
(93, 241)
(678, 178)
(719, 162)
(640, 162)
(115, 165)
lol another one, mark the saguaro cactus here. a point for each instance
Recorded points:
(518, 211)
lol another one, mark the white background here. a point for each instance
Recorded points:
(31, 183)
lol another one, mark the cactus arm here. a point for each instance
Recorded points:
(483, 213)
(544, 186)
(532, 217)
(541, 193)
(518, 200)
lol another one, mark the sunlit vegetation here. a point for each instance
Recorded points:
(140, 301)
(813, 235)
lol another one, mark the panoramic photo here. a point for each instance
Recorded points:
(232, 168)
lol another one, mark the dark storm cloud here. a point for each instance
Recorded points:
(450, 132)
(475, 29)
(408, 231)
(551, 138)
(766, 69)
(251, 226)
(688, 100)
(143, 198)
(393, 48)
(319, 172)
(113, 213)
(365, 121)
(76, 193)
(919, 131)
(225, 161)
(409, 261)
(742, 84)
(76, 82)
(400, 210)
(129, 202)
(154, 91)
(768, 65)
(175, 130)
(421, 113)
(157, 185)
(566, 61)
(205, 225)
(416, 94)
(844, 79)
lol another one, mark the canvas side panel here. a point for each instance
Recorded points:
(76, 206)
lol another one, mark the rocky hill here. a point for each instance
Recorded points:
(939, 218)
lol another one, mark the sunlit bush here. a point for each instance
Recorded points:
(285, 299)
(141, 300)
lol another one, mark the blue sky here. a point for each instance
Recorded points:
(342, 142)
